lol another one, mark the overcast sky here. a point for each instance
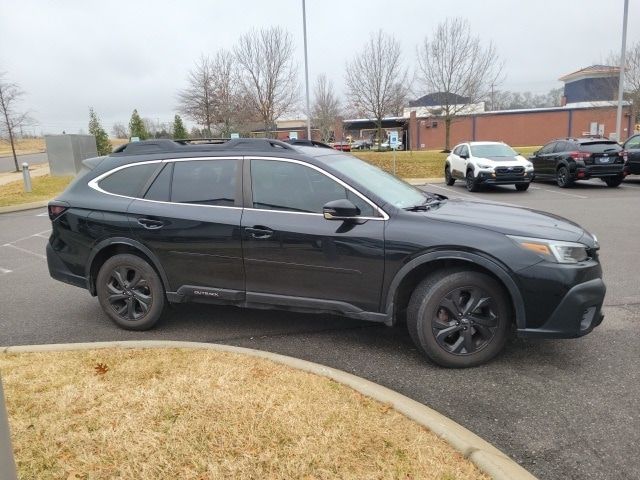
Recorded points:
(120, 55)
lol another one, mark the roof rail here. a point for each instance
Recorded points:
(199, 144)
(307, 143)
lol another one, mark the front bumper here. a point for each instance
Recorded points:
(579, 313)
(490, 178)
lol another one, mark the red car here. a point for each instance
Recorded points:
(343, 146)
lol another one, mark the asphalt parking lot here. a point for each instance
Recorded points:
(564, 409)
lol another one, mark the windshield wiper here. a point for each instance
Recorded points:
(431, 200)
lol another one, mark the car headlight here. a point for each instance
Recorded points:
(553, 250)
(480, 165)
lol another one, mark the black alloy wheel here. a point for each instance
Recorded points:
(563, 177)
(447, 176)
(471, 184)
(459, 318)
(130, 292)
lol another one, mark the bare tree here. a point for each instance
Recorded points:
(228, 101)
(267, 73)
(376, 81)
(455, 65)
(325, 108)
(12, 118)
(197, 100)
(631, 76)
(119, 130)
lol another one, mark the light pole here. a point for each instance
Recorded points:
(622, 66)
(306, 67)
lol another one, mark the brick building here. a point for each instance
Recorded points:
(518, 127)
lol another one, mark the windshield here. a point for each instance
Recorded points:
(391, 189)
(492, 150)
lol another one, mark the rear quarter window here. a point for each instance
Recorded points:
(128, 181)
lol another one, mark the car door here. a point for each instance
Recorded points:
(454, 161)
(543, 161)
(189, 217)
(632, 147)
(293, 255)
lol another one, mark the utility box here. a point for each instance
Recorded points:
(66, 152)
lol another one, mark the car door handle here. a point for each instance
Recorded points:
(259, 232)
(150, 224)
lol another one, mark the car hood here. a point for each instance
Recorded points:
(506, 219)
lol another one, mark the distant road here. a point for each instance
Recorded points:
(6, 163)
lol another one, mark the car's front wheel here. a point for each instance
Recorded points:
(459, 318)
(130, 292)
(470, 181)
(613, 181)
(563, 177)
(447, 176)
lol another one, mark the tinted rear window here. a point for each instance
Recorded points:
(600, 147)
(205, 182)
(128, 181)
(160, 189)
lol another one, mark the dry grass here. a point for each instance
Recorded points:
(23, 146)
(417, 164)
(197, 414)
(42, 188)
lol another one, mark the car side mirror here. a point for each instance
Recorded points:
(464, 155)
(341, 209)
(535, 154)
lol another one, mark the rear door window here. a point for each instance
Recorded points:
(205, 182)
(129, 181)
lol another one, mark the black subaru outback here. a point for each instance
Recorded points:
(265, 224)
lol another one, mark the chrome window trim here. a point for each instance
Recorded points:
(95, 182)
(384, 215)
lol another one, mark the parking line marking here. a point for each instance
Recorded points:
(565, 193)
(44, 214)
(39, 234)
(5, 270)
(24, 250)
(448, 189)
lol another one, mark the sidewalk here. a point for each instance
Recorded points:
(35, 171)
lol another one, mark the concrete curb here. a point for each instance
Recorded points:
(487, 457)
(24, 206)
(422, 181)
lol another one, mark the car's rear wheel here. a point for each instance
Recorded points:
(470, 181)
(563, 177)
(459, 318)
(522, 187)
(447, 176)
(613, 181)
(130, 292)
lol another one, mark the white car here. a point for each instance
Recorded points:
(487, 163)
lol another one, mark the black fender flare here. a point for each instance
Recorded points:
(130, 243)
(474, 258)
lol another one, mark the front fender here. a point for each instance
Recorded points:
(473, 258)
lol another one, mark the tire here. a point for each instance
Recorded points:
(470, 181)
(613, 182)
(438, 304)
(447, 176)
(563, 177)
(130, 292)
(522, 187)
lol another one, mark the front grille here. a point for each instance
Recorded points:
(509, 170)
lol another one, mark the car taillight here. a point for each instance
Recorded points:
(56, 209)
(624, 155)
(579, 155)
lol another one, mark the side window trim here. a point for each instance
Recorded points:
(94, 183)
(248, 194)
